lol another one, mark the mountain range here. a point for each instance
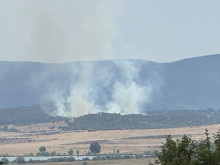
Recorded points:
(192, 83)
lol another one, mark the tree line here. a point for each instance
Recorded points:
(186, 151)
(152, 119)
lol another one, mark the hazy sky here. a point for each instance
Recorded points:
(72, 30)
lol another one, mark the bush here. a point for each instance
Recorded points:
(20, 160)
(43, 154)
(4, 160)
(42, 149)
(113, 157)
(53, 153)
(70, 152)
(4, 155)
(186, 151)
(95, 147)
(77, 152)
(84, 159)
(63, 159)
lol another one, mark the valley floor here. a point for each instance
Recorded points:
(127, 141)
(106, 162)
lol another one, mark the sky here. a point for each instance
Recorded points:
(78, 30)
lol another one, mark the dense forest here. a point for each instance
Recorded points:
(107, 121)
(151, 120)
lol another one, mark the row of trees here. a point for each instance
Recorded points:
(95, 148)
(186, 151)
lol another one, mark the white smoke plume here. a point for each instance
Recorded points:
(79, 93)
(126, 95)
(72, 30)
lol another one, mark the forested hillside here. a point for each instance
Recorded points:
(186, 84)
(25, 115)
(106, 121)
(153, 119)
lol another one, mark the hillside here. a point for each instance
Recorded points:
(192, 84)
(113, 121)
(153, 120)
(186, 84)
(26, 115)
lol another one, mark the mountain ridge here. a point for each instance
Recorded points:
(185, 84)
(79, 61)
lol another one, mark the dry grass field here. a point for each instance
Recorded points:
(106, 162)
(135, 141)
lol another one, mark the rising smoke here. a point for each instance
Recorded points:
(72, 30)
(83, 30)
(105, 86)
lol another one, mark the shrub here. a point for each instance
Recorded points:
(20, 160)
(4, 160)
(70, 152)
(95, 147)
(42, 149)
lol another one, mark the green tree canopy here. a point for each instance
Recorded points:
(186, 151)
(95, 147)
(20, 160)
(42, 149)
(70, 152)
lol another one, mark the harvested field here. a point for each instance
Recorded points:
(106, 162)
(134, 141)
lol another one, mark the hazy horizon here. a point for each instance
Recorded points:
(67, 31)
(107, 60)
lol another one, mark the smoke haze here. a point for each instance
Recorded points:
(83, 30)
(63, 31)
(111, 87)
